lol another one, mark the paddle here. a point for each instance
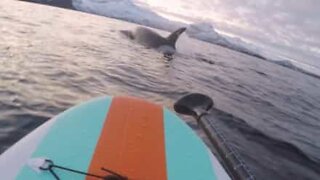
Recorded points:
(199, 106)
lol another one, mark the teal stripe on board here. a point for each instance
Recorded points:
(72, 140)
(186, 154)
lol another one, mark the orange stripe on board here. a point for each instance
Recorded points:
(132, 141)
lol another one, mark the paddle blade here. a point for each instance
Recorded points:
(194, 104)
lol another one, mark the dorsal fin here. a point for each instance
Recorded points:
(173, 37)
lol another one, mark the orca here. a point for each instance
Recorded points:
(151, 39)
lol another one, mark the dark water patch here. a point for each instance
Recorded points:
(245, 88)
(47, 110)
(205, 60)
(61, 75)
(316, 119)
(95, 49)
(5, 106)
(50, 55)
(23, 32)
(280, 112)
(8, 93)
(277, 147)
(10, 18)
(26, 80)
(18, 126)
(13, 19)
(303, 101)
(262, 102)
(259, 72)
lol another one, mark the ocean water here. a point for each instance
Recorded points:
(51, 59)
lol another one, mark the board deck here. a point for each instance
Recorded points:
(130, 136)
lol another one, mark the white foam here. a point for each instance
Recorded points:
(36, 163)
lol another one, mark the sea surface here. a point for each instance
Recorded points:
(52, 59)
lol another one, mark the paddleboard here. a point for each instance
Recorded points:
(112, 137)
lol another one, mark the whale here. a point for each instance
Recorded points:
(151, 39)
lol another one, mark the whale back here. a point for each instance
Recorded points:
(149, 38)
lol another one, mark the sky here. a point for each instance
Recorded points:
(288, 28)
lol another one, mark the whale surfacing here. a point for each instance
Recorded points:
(151, 39)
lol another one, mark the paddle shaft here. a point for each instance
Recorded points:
(229, 155)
